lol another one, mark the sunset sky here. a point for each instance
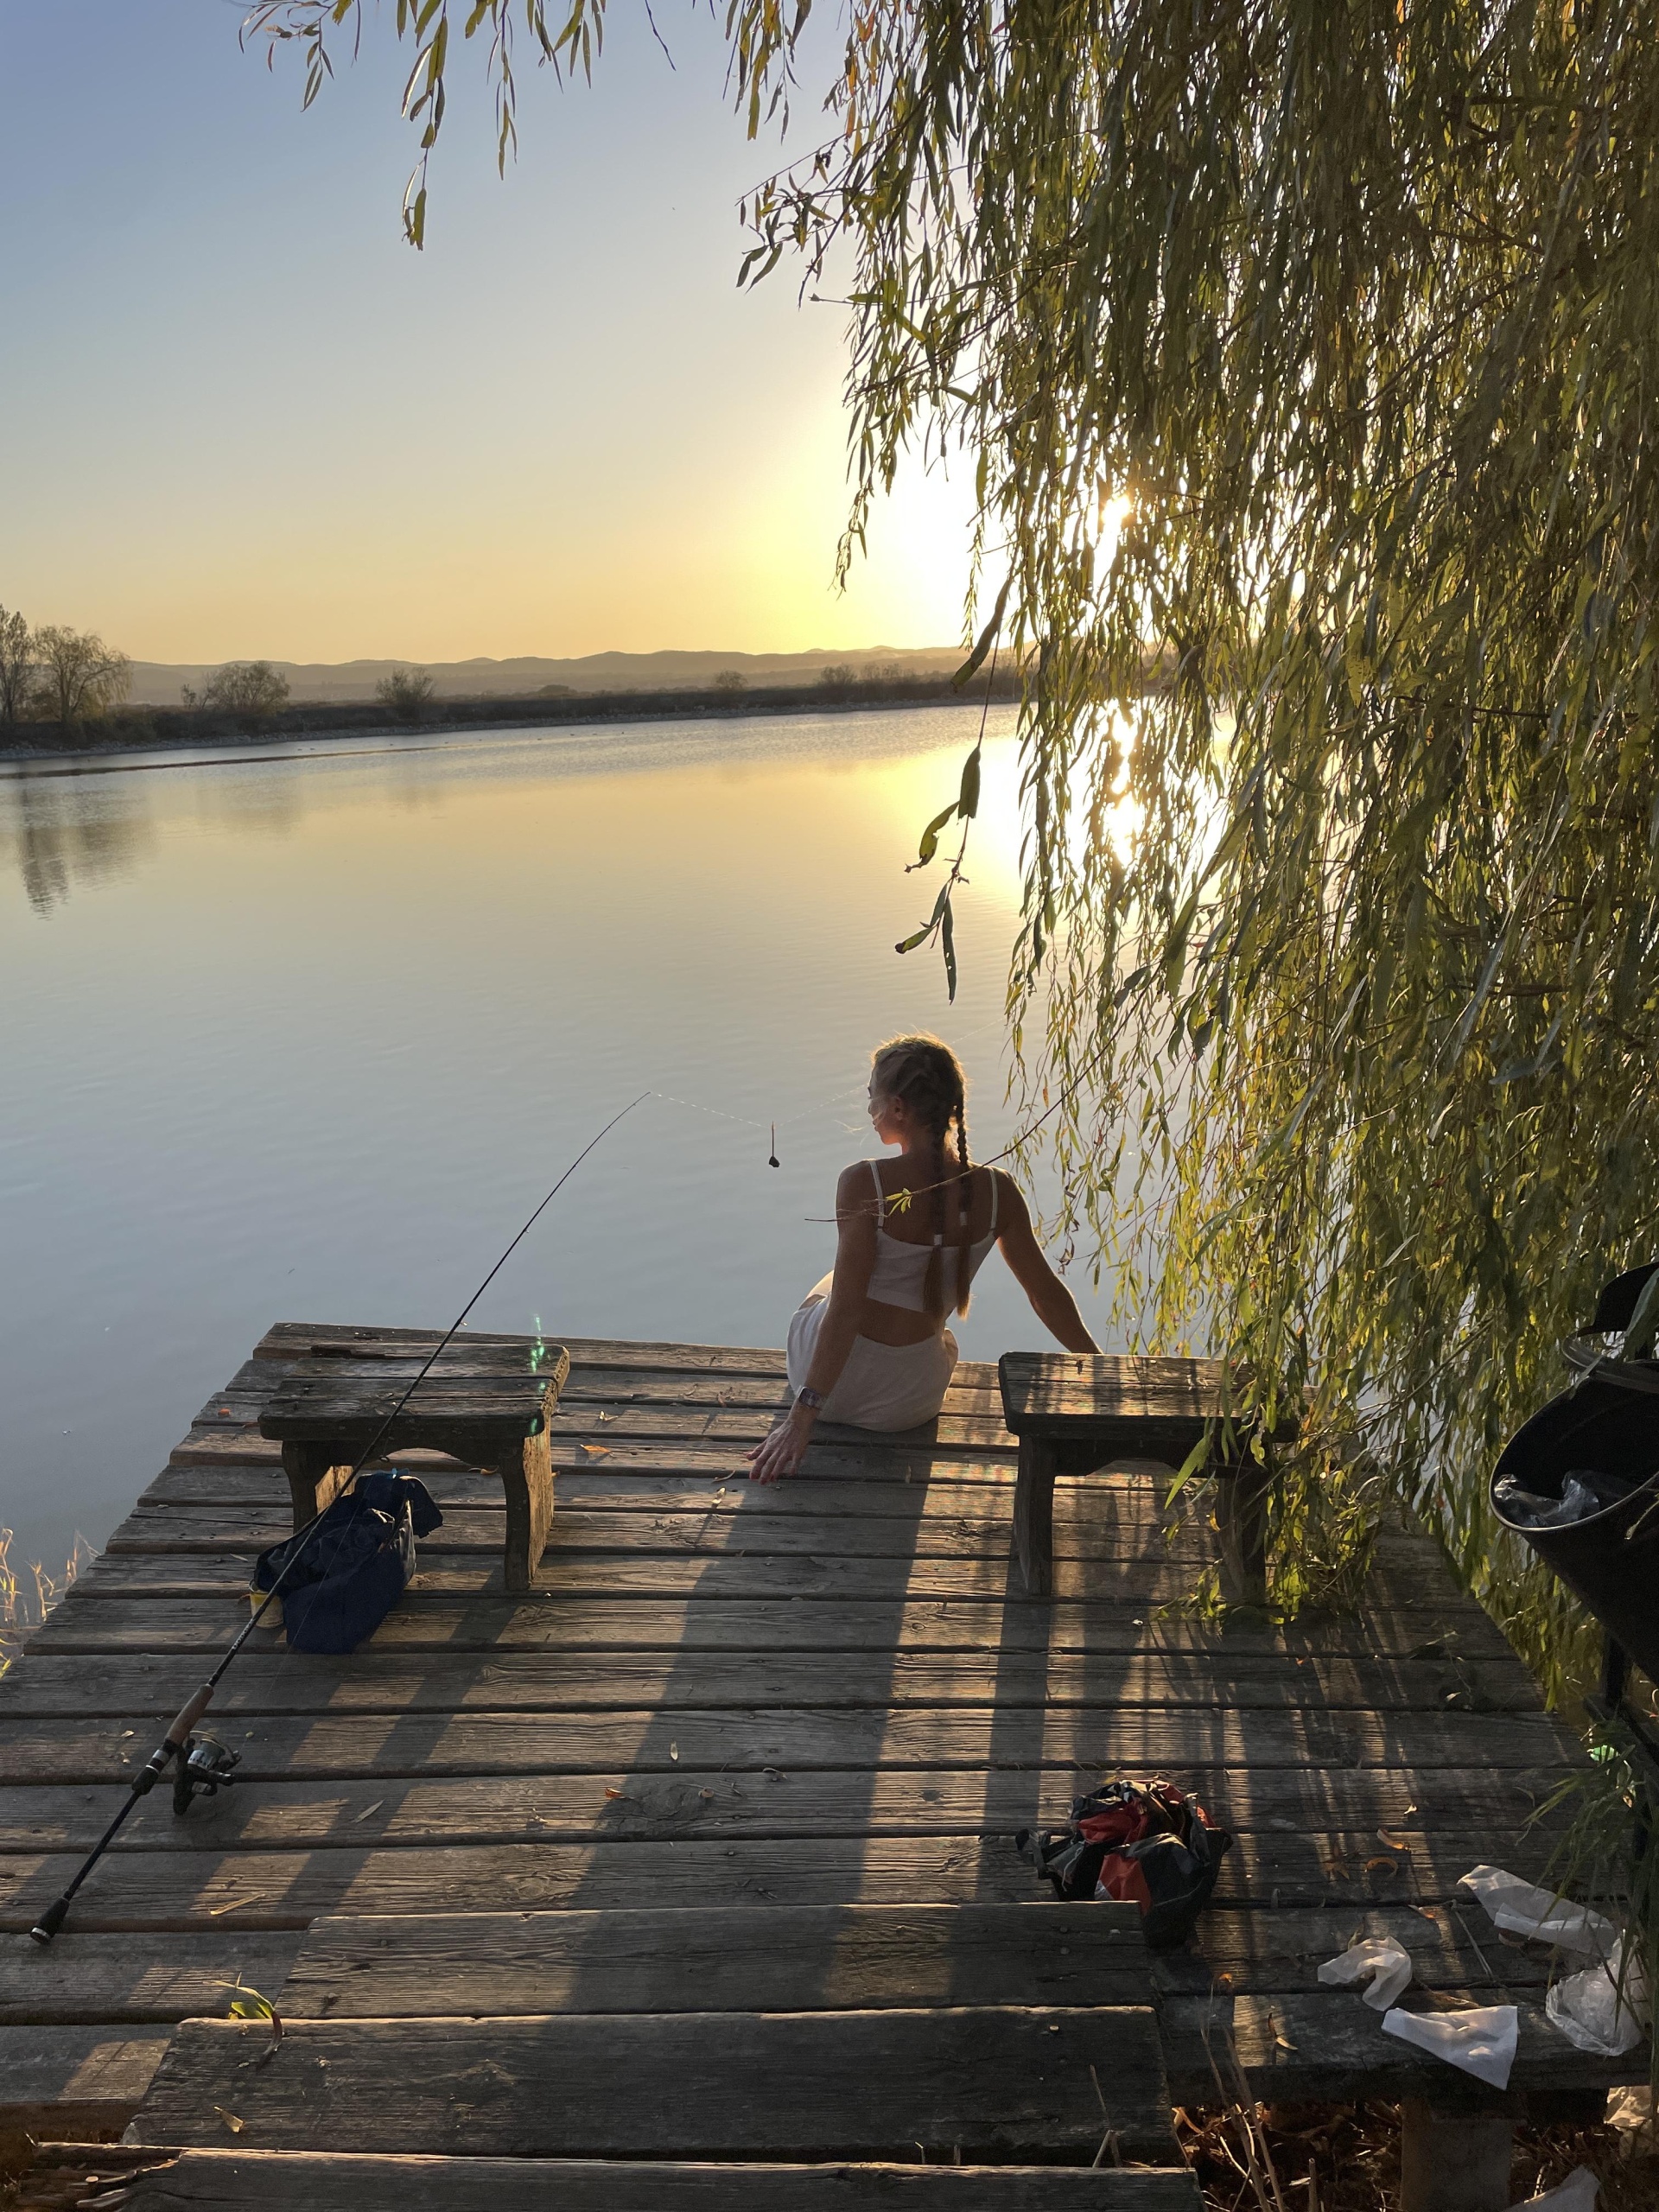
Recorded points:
(243, 418)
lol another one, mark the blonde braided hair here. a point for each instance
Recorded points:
(926, 1074)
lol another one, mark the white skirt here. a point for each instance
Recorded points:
(882, 1386)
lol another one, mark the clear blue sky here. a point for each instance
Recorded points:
(241, 417)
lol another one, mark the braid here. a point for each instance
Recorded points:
(964, 1241)
(926, 1074)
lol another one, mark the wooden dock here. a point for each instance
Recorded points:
(544, 1838)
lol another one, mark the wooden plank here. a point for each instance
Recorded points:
(276, 2181)
(1261, 1948)
(556, 1620)
(73, 2082)
(1056, 1394)
(996, 2083)
(607, 1385)
(209, 1885)
(720, 1959)
(241, 1449)
(204, 1888)
(707, 1802)
(1329, 2046)
(87, 1977)
(650, 1479)
(290, 1340)
(733, 1958)
(943, 1534)
(150, 1686)
(870, 1739)
(734, 1426)
(752, 1570)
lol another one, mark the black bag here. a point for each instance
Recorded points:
(353, 1564)
(1145, 1841)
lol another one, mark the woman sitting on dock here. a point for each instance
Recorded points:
(868, 1345)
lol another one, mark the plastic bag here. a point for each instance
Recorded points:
(1603, 2009)
(1387, 1965)
(1480, 2041)
(1521, 1909)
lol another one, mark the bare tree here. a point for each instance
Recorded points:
(731, 679)
(241, 687)
(77, 675)
(16, 666)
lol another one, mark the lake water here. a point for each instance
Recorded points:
(306, 1038)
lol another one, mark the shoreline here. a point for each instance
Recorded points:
(136, 731)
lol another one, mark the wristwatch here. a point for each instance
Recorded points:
(812, 1399)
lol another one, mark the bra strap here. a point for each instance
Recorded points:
(880, 1195)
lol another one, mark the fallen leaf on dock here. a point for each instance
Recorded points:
(1382, 1865)
(367, 1809)
(230, 2120)
(595, 1451)
(252, 1897)
(1393, 1842)
(673, 1750)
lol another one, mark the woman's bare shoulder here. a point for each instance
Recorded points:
(855, 1186)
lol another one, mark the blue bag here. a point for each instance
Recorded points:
(353, 1564)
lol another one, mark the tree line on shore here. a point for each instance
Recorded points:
(56, 674)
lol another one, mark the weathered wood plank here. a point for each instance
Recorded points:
(160, 1531)
(207, 1886)
(78, 2082)
(290, 1340)
(1329, 2046)
(489, 1808)
(751, 1570)
(876, 1740)
(276, 2181)
(548, 1621)
(147, 1685)
(720, 1959)
(133, 1979)
(995, 2082)
(730, 1959)
(244, 1401)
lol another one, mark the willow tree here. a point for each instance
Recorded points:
(1307, 353)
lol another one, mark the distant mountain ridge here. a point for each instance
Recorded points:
(159, 683)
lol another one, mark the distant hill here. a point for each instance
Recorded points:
(158, 683)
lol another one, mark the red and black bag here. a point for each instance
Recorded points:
(1147, 1843)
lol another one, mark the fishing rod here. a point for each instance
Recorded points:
(205, 1766)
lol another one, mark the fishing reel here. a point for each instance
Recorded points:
(202, 1770)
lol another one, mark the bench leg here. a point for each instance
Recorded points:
(1034, 1515)
(528, 1481)
(1241, 1518)
(1455, 2161)
(314, 1478)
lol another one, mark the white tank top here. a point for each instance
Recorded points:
(901, 1269)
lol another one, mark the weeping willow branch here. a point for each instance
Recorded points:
(1307, 353)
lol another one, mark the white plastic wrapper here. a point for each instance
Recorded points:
(1379, 1959)
(1605, 2008)
(1578, 2193)
(1481, 2041)
(1522, 1909)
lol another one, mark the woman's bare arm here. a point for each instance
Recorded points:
(1051, 1301)
(855, 1223)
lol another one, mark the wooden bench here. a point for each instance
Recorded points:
(1073, 1414)
(486, 1407)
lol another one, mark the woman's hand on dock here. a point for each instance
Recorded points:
(783, 1450)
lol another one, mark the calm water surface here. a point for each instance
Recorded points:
(306, 1038)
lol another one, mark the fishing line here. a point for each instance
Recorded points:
(175, 1744)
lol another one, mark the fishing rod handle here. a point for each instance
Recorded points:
(187, 1716)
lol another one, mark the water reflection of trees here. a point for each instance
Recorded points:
(61, 832)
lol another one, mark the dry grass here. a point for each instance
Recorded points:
(28, 1594)
(1353, 2153)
